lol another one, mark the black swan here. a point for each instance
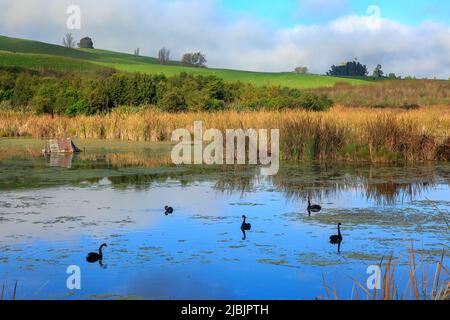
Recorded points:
(337, 239)
(169, 210)
(94, 256)
(246, 226)
(313, 207)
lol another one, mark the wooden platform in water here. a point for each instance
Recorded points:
(61, 146)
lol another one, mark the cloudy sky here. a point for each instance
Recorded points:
(408, 37)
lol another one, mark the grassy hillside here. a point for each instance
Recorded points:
(35, 55)
(51, 62)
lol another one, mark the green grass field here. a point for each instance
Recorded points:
(38, 55)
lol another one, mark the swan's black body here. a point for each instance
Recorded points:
(313, 207)
(337, 239)
(94, 256)
(169, 210)
(246, 226)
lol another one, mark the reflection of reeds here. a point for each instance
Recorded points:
(19, 154)
(320, 181)
(420, 286)
(122, 160)
(341, 133)
(2, 295)
(390, 192)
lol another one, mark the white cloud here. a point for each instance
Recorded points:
(237, 41)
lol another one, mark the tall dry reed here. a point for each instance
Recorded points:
(421, 283)
(341, 133)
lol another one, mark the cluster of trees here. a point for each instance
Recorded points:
(69, 42)
(82, 94)
(196, 59)
(356, 69)
(301, 70)
(349, 69)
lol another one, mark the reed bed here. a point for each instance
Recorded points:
(355, 134)
(421, 284)
(390, 93)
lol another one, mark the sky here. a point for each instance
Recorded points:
(405, 37)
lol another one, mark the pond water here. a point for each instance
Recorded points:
(54, 211)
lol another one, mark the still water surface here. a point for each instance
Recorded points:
(55, 211)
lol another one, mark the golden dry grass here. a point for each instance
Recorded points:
(422, 284)
(377, 135)
(390, 93)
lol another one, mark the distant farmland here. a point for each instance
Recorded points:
(38, 55)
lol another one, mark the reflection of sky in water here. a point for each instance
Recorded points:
(198, 252)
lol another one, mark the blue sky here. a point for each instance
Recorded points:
(288, 13)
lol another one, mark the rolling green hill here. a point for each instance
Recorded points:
(35, 55)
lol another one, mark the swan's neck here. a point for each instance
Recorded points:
(339, 231)
(245, 219)
(100, 251)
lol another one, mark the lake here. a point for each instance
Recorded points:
(55, 210)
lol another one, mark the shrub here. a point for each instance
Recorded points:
(23, 90)
(41, 104)
(172, 100)
(314, 102)
(79, 107)
(78, 93)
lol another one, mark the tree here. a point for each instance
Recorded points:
(194, 60)
(187, 59)
(163, 55)
(301, 70)
(137, 52)
(349, 69)
(377, 72)
(393, 76)
(69, 41)
(86, 43)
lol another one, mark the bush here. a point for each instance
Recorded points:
(23, 91)
(172, 100)
(78, 93)
(80, 107)
(314, 102)
(41, 104)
